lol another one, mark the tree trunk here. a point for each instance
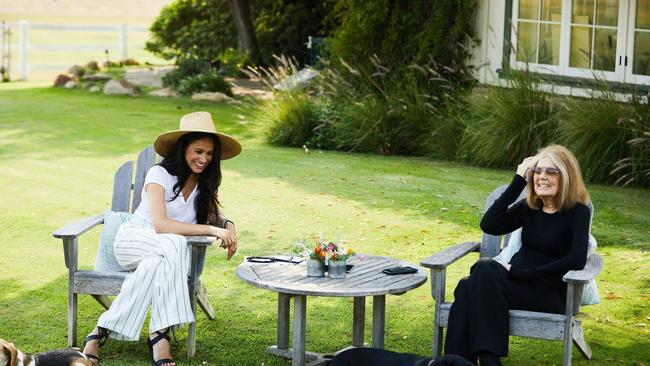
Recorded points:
(240, 11)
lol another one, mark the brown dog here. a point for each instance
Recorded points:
(11, 356)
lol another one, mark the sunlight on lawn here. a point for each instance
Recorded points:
(58, 153)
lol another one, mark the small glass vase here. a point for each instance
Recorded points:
(336, 269)
(315, 268)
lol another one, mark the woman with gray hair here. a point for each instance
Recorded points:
(554, 218)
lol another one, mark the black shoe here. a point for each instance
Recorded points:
(102, 337)
(486, 358)
(152, 342)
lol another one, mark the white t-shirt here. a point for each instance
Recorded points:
(179, 209)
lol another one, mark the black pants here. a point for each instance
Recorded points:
(479, 318)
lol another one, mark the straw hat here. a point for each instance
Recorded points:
(196, 122)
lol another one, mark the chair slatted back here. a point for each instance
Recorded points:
(492, 245)
(122, 187)
(126, 192)
(146, 160)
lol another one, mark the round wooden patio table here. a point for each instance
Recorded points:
(365, 278)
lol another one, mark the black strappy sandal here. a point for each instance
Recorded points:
(102, 337)
(152, 342)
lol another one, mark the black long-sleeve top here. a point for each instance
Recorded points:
(551, 244)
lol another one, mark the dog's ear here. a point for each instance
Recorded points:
(8, 354)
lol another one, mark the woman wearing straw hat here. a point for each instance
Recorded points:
(179, 198)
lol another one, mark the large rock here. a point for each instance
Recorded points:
(212, 97)
(147, 77)
(70, 84)
(298, 80)
(119, 87)
(164, 92)
(62, 79)
(92, 66)
(77, 71)
(100, 76)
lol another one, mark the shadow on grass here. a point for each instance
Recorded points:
(36, 321)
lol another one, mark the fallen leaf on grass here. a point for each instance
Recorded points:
(612, 296)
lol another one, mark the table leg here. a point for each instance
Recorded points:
(299, 330)
(358, 321)
(283, 321)
(378, 320)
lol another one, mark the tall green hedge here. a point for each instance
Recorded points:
(204, 29)
(401, 32)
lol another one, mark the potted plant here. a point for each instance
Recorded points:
(316, 258)
(324, 255)
(336, 256)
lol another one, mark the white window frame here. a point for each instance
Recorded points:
(535, 67)
(624, 46)
(629, 68)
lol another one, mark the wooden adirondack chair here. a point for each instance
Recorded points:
(565, 327)
(101, 284)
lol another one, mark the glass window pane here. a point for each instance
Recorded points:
(528, 9)
(552, 10)
(526, 42)
(643, 14)
(580, 54)
(605, 50)
(641, 53)
(583, 12)
(549, 44)
(607, 12)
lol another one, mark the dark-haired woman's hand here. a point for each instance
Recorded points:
(228, 239)
(232, 248)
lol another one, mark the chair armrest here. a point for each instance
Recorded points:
(592, 267)
(200, 241)
(447, 256)
(78, 227)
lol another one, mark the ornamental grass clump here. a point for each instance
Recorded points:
(510, 123)
(610, 138)
(393, 110)
(291, 115)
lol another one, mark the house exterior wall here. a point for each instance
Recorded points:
(488, 54)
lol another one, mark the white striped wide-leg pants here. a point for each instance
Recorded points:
(160, 265)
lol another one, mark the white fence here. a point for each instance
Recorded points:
(37, 54)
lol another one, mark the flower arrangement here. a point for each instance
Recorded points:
(324, 251)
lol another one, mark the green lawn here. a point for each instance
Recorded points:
(58, 152)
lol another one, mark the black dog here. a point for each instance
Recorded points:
(380, 357)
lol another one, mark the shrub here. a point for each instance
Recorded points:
(232, 61)
(392, 111)
(609, 138)
(635, 169)
(509, 124)
(292, 119)
(192, 29)
(204, 28)
(291, 116)
(186, 68)
(404, 32)
(206, 82)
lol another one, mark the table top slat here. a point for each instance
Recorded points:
(364, 279)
